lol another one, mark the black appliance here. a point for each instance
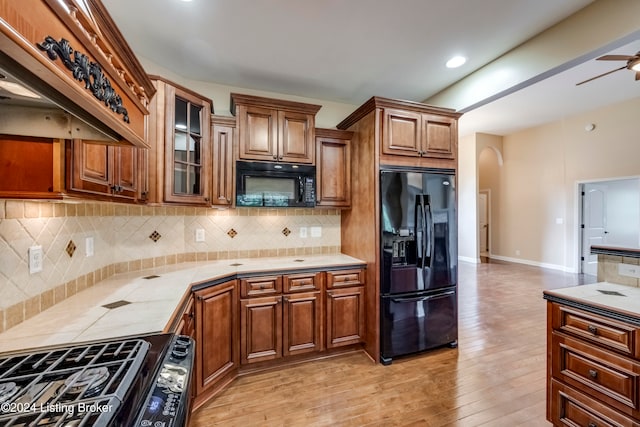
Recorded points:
(418, 307)
(127, 382)
(265, 184)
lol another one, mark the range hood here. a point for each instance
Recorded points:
(71, 54)
(27, 108)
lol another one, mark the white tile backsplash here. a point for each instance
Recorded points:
(121, 242)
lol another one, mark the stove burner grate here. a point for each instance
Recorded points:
(89, 381)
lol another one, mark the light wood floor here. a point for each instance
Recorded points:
(495, 378)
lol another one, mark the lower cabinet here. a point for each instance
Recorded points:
(345, 316)
(302, 319)
(217, 343)
(261, 329)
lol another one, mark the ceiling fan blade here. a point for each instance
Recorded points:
(637, 75)
(602, 75)
(615, 58)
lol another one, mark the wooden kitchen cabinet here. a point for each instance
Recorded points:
(417, 134)
(180, 161)
(333, 168)
(345, 306)
(274, 130)
(187, 324)
(97, 170)
(217, 342)
(274, 324)
(593, 368)
(223, 132)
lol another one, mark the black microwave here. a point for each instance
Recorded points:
(265, 184)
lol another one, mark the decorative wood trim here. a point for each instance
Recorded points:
(333, 133)
(223, 120)
(380, 102)
(279, 104)
(183, 89)
(87, 71)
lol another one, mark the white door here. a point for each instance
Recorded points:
(595, 222)
(483, 223)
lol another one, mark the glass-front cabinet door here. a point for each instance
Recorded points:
(187, 148)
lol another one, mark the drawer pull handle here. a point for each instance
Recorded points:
(592, 424)
(593, 373)
(592, 329)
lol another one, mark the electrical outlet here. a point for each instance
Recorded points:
(36, 259)
(316, 231)
(629, 270)
(517, 252)
(199, 234)
(88, 246)
(303, 232)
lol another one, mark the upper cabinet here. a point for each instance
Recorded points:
(179, 160)
(223, 132)
(274, 130)
(333, 168)
(411, 133)
(79, 64)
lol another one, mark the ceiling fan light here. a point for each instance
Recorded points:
(635, 66)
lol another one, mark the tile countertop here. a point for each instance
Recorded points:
(82, 317)
(606, 296)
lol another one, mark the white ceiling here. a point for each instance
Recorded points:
(349, 50)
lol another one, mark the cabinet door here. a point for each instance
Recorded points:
(402, 133)
(302, 318)
(216, 334)
(222, 168)
(345, 316)
(440, 137)
(127, 172)
(333, 158)
(295, 137)
(258, 133)
(187, 170)
(261, 329)
(89, 167)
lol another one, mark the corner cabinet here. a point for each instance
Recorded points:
(223, 133)
(274, 130)
(180, 170)
(333, 168)
(101, 171)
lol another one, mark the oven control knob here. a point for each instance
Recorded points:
(179, 352)
(183, 340)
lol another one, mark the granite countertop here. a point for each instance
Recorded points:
(630, 252)
(152, 301)
(607, 296)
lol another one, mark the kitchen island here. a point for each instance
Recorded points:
(593, 355)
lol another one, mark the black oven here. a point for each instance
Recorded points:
(264, 184)
(125, 382)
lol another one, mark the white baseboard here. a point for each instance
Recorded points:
(534, 263)
(469, 259)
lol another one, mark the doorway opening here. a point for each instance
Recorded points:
(609, 215)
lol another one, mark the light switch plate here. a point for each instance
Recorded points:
(316, 231)
(36, 259)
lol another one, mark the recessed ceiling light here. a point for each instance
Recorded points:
(456, 61)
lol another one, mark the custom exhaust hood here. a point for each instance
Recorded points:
(66, 72)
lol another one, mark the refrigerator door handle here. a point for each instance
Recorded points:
(428, 221)
(422, 298)
(419, 230)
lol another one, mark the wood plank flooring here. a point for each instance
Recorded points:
(496, 377)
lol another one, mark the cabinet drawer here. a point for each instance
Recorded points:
(569, 407)
(345, 278)
(607, 332)
(599, 373)
(302, 282)
(260, 286)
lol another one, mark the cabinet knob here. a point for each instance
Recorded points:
(285, 299)
(593, 373)
(280, 158)
(592, 329)
(275, 157)
(592, 424)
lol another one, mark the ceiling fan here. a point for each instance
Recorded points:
(633, 63)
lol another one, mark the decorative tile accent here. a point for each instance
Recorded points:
(286, 231)
(232, 233)
(155, 236)
(71, 248)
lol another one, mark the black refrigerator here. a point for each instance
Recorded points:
(418, 303)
